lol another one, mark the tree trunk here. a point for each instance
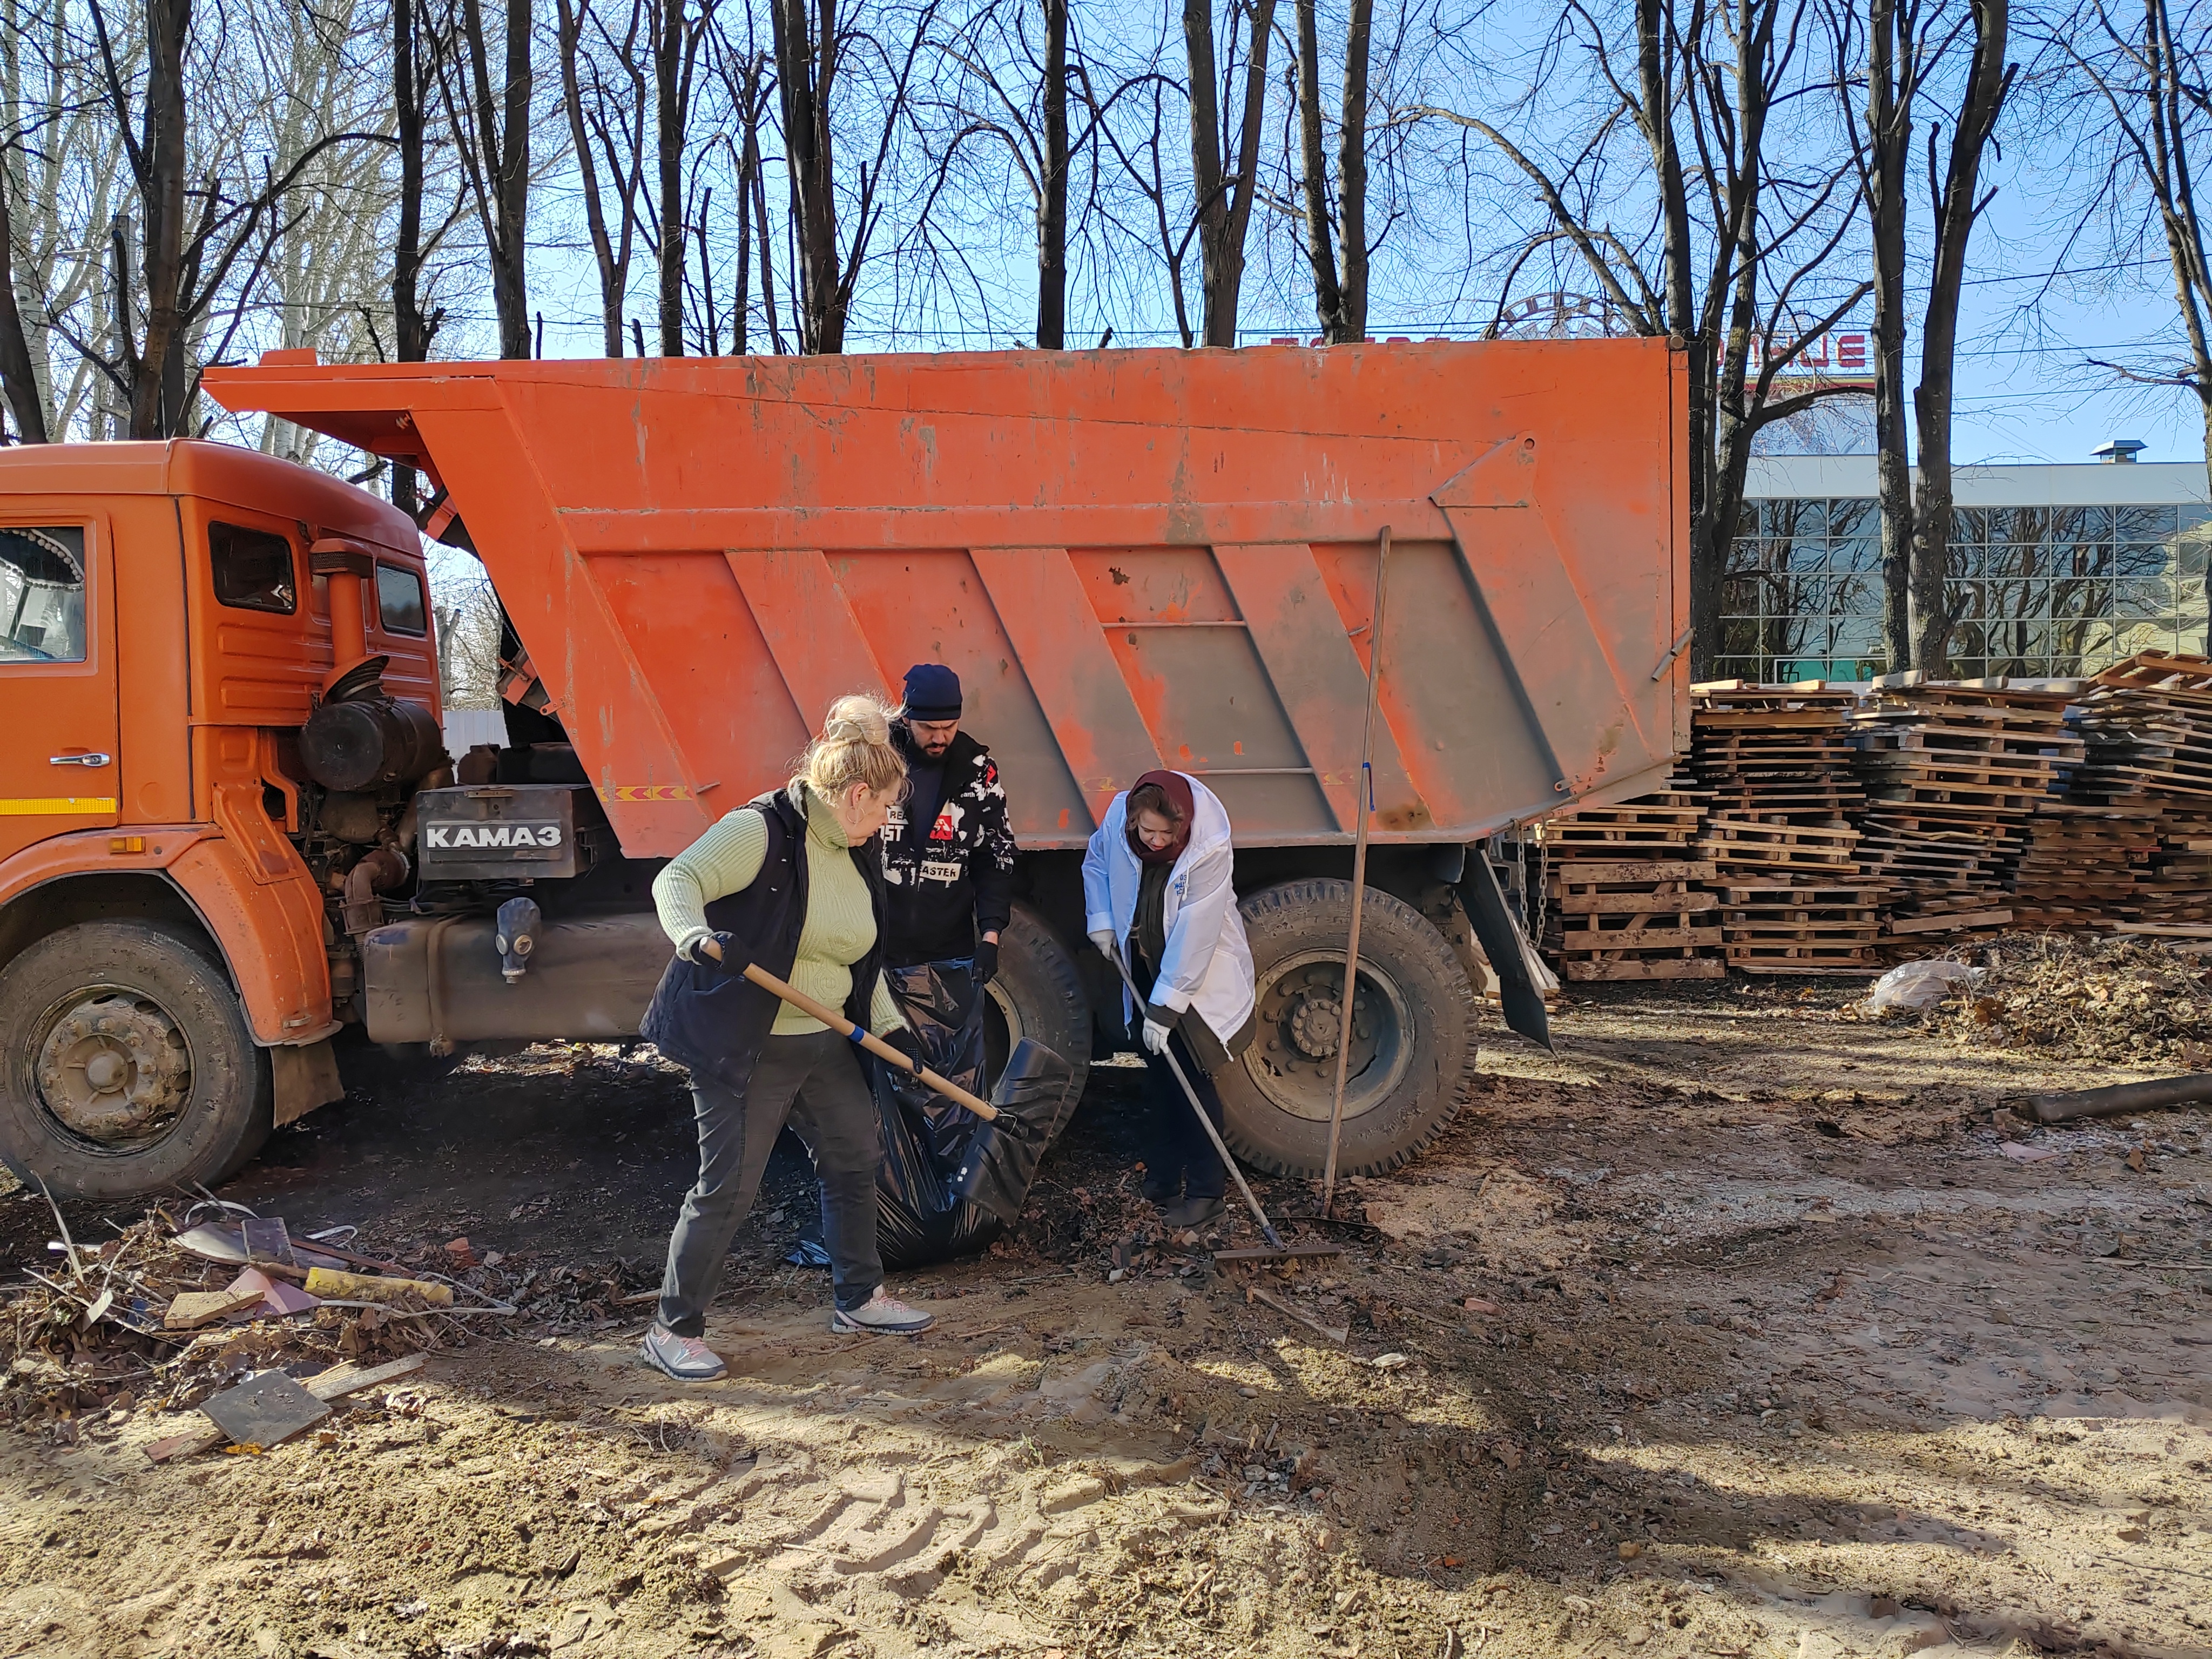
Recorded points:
(806, 52)
(500, 115)
(1352, 170)
(1339, 292)
(18, 379)
(156, 400)
(1955, 210)
(1892, 78)
(512, 271)
(766, 245)
(613, 268)
(670, 89)
(1320, 252)
(1206, 165)
(410, 329)
(1224, 183)
(748, 164)
(1657, 98)
(1052, 199)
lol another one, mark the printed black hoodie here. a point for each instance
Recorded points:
(948, 874)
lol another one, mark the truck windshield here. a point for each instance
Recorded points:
(41, 593)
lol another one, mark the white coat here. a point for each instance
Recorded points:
(1209, 964)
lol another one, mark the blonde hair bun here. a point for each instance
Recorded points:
(854, 747)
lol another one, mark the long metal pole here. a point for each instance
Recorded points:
(1366, 786)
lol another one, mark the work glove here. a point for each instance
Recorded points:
(987, 960)
(728, 952)
(1103, 939)
(1156, 1036)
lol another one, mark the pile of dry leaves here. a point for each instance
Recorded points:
(2099, 996)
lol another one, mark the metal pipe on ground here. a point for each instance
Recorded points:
(2113, 1102)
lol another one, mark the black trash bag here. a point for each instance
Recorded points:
(929, 1207)
(944, 1010)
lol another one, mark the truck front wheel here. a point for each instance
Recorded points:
(125, 1064)
(1412, 1033)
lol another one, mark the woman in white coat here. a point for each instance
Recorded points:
(1156, 888)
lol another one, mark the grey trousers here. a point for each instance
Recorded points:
(816, 1082)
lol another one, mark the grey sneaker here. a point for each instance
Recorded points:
(686, 1358)
(1195, 1212)
(882, 1316)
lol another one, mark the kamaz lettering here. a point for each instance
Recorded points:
(491, 835)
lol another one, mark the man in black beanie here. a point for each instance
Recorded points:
(948, 853)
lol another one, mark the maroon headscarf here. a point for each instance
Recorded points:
(1176, 787)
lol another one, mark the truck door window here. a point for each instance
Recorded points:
(41, 593)
(252, 568)
(399, 601)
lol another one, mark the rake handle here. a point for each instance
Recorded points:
(868, 1039)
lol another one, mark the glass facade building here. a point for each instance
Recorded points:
(2055, 571)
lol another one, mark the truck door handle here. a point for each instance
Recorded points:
(80, 760)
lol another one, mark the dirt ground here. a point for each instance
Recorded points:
(1734, 1328)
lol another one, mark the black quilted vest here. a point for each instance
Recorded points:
(708, 1017)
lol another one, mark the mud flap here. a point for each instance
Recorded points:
(1511, 959)
(305, 1078)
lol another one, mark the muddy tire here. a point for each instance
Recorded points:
(125, 1064)
(1413, 1041)
(1036, 994)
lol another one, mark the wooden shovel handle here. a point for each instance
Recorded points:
(875, 1045)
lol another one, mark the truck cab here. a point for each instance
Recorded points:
(174, 618)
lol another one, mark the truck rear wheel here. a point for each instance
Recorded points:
(1038, 994)
(125, 1064)
(1412, 1033)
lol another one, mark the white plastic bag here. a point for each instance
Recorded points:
(1918, 985)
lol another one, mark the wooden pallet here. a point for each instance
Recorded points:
(1780, 843)
(1677, 967)
(1798, 956)
(1951, 922)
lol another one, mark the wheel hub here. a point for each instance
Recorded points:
(1302, 1025)
(1317, 1025)
(115, 1068)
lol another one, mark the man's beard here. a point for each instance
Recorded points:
(937, 750)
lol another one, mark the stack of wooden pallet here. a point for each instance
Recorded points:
(2081, 866)
(1774, 750)
(1777, 759)
(1954, 774)
(2148, 723)
(1623, 892)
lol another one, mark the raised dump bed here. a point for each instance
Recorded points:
(1132, 558)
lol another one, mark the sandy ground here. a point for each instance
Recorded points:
(1731, 1329)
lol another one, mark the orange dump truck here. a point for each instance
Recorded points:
(229, 829)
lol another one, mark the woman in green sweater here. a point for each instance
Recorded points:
(792, 882)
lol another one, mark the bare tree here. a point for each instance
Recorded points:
(1339, 293)
(677, 36)
(749, 86)
(489, 117)
(18, 379)
(413, 327)
(61, 166)
(1016, 106)
(816, 51)
(2148, 78)
(1737, 234)
(195, 238)
(1226, 161)
(603, 91)
(1908, 42)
